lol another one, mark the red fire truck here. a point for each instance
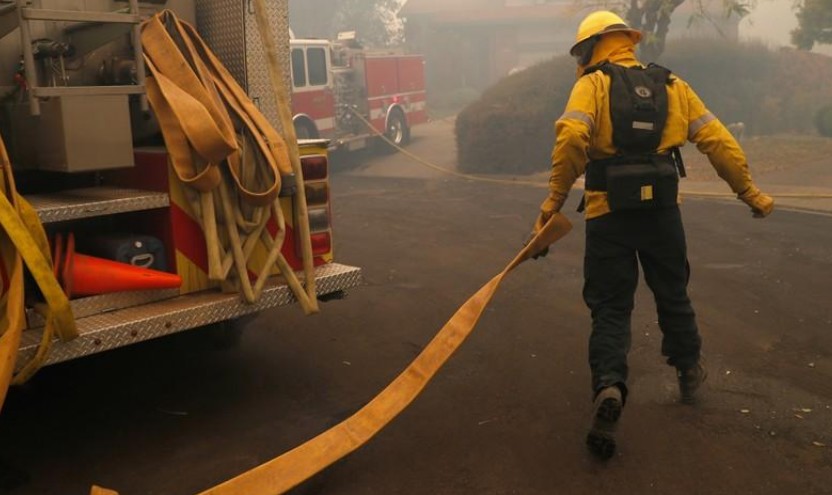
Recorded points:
(334, 81)
(96, 175)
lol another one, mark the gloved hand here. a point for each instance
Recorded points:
(542, 218)
(761, 204)
(540, 254)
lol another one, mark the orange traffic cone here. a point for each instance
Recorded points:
(57, 255)
(88, 276)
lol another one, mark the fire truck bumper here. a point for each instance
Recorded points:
(117, 320)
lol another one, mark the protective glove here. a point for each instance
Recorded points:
(761, 204)
(542, 218)
(539, 254)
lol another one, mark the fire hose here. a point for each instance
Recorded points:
(194, 98)
(23, 241)
(301, 463)
(519, 182)
(207, 120)
(172, 102)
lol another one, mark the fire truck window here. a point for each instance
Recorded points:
(317, 66)
(298, 68)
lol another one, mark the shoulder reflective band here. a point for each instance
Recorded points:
(578, 115)
(699, 123)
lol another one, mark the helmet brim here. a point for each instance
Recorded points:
(635, 35)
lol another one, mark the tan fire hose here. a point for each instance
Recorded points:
(199, 106)
(301, 463)
(278, 79)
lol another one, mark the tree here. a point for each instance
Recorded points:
(814, 19)
(375, 21)
(653, 17)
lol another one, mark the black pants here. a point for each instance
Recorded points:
(615, 243)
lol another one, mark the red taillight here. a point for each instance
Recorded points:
(316, 186)
(314, 167)
(321, 243)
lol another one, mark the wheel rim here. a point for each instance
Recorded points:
(395, 130)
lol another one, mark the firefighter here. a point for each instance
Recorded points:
(623, 126)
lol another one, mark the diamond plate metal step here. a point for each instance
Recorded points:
(105, 303)
(75, 204)
(123, 327)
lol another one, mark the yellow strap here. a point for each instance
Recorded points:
(23, 230)
(10, 338)
(39, 265)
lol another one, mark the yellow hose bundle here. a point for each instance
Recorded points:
(216, 137)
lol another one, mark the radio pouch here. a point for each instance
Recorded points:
(651, 184)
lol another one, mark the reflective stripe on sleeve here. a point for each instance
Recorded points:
(578, 115)
(699, 123)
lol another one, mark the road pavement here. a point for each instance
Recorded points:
(508, 413)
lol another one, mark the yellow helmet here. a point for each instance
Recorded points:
(600, 22)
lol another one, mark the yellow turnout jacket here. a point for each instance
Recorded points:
(584, 131)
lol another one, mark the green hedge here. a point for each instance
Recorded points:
(510, 128)
(823, 121)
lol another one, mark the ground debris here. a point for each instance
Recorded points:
(818, 444)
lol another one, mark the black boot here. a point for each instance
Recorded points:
(605, 414)
(690, 379)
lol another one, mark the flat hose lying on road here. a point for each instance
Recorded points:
(301, 463)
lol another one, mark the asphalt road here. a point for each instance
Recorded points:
(508, 414)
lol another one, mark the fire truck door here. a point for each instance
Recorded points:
(313, 100)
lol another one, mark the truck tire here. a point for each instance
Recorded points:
(397, 130)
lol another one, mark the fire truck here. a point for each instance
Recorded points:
(333, 83)
(99, 121)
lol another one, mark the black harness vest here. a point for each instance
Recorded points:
(638, 177)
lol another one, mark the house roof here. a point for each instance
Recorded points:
(434, 6)
(484, 11)
(474, 11)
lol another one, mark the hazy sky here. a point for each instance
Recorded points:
(771, 22)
